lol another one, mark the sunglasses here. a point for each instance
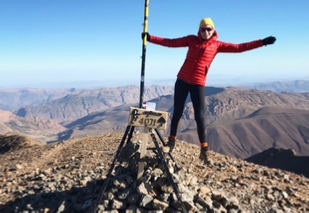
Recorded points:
(206, 28)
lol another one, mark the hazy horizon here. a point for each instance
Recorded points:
(89, 84)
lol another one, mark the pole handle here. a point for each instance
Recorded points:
(145, 24)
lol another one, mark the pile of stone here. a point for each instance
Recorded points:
(154, 192)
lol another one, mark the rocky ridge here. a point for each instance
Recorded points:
(284, 159)
(67, 177)
(11, 142)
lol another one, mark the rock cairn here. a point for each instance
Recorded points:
(153, 192)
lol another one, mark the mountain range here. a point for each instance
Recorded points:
(14, 99)
(280, 86)
(240, 122)
(80, 103)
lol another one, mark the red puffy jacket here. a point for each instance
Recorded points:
(201, 53)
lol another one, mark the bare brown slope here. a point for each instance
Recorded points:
(72, 107)
(265, 128)
(38, 128)
(114, 119)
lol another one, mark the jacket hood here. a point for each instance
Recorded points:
(213, 37)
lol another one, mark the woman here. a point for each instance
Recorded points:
(192, 76)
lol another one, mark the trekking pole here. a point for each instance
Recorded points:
(143, 54)
(141, 92)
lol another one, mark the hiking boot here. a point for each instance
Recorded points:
(171, 143)
(204, 155)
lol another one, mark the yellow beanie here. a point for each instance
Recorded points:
(207, 21)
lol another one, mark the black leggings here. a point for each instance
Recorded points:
(197, 94)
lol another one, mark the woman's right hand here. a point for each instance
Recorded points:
(146, 34)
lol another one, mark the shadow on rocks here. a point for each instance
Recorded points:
(76, 199)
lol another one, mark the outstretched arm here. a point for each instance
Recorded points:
(236, 48)
(175, 42)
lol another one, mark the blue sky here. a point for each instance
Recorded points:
(61, 41)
